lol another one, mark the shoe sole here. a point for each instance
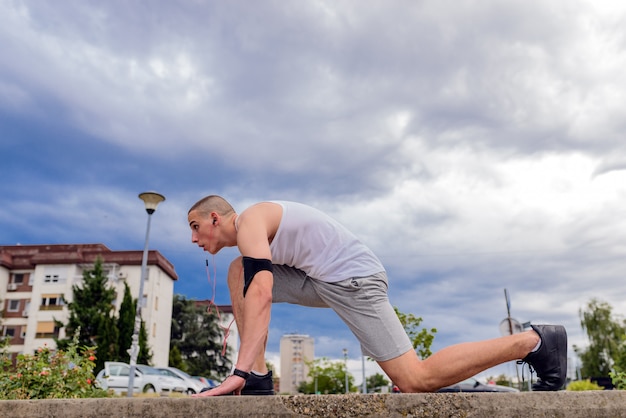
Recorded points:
(251, 393)
(257, 392)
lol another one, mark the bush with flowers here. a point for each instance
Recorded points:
(50, 374)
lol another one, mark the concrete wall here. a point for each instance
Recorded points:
(592, 404)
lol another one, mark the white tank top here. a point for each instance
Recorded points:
(315, 243)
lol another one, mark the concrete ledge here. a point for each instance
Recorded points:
(592, 404)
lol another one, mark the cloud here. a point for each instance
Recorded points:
(474, 147)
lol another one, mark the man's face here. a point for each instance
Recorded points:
(203, 232)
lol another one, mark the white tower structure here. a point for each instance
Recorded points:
(295, 351)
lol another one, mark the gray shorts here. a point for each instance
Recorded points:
(361, 302)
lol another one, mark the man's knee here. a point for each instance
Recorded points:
(235, 271)
(236, 264)
(411, 374)
(423, 379)
(418, 385)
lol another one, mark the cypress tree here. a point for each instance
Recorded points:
(145, 354)
(125, 325)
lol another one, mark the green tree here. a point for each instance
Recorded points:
(196, 334)
(422, 339)
(145, 354)
(376, 381)
(606, 337)
(620, 361)
(125, 325)
(327, 376)
(176, 360)
(92, 312)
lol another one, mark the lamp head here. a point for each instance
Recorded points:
(151, 200)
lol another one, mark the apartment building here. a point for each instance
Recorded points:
(295, 351)
(35, 279)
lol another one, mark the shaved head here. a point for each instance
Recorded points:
(212, 203)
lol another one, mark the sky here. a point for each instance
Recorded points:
(474, 146)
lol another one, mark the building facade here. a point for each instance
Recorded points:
(295, 351)
(35, 280)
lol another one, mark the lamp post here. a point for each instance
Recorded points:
(151, 200)
(345, 358)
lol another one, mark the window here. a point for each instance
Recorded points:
(14, 305)
(18, 278)
(9, 332)
(156, 303)
(54, 275)
(51, 302)
(51, 278)
(47, 329)
(119, 370)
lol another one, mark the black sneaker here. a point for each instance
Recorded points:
(550, 361)
(259, 385)
(255, 385)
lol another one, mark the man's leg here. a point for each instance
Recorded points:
(455, 363)
(235, 286)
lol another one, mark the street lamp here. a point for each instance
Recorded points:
(345, 358)
(151, 200)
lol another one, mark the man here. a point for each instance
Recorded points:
(296, 254)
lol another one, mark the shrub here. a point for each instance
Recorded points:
(618, 379)
(580, 385)
(49, 374)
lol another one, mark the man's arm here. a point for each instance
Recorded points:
(255, 225)
(256, 316)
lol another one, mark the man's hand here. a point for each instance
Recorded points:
(233, 384)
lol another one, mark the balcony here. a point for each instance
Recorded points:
(51, 307)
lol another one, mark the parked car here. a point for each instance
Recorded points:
(206, 382)
(193, 385)
(473, 385)
(115, 375)
(162, 384)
